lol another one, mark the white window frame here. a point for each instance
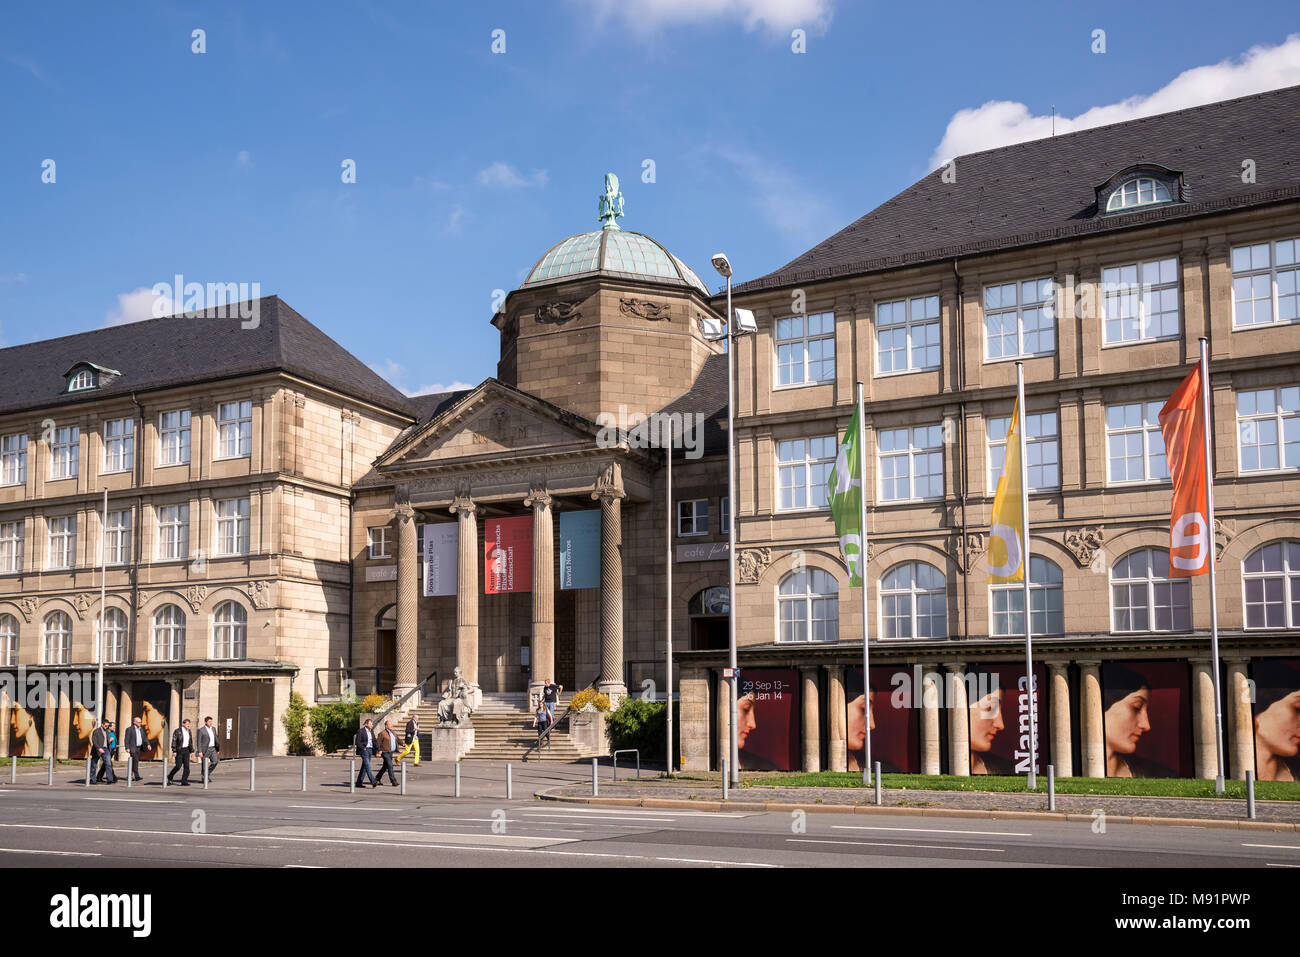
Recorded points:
(168, 633)
(62, 653)
(807, 599)
(12, 537)
(1039, 588)
(1150, 432)
(234, 430)
(233, 541)
(1116, 288)
(230, 632)
(174, 440)
(62, 542)
(1037, 443)
(119, 448)
(117, 537)
(910, 325)
(1290, 582)
(815, 471)
(1021, 290)
(1278, 418)
(691, 520)
(13, 459)
(913, 452)
(913, 595)
(793, 333)
(115, 635)
(9, 634)
(1256, 261)
(173, 532)
(65, 453)
(1122, 193)
(83, 380)
(384, 540)
(1179, 592)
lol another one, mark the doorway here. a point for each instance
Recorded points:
(708, 612)
(385, 650)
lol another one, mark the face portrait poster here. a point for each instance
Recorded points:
(508, 555)
(26, 726)
(895, 731)
(1147, 717)
(767, 719)
(999, 701)
(153, 702)
(79, 729)
(1277, 718)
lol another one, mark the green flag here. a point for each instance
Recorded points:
(845, 491)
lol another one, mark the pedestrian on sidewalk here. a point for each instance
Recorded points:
(543, 721)
(551, 696)
(387, 748)
(106, 768)
(182, 746)
(365, 745)
(412, 740)
(209, 746)
(134, 743)
(100, 759)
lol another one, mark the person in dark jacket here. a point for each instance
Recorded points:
(101, 759)
(365, 745)
(134, 745)
(209, 748)
(182, 747)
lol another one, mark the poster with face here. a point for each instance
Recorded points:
(767, 719)
(26, 726)
(1277, 719)
(79, 730)
(999, 701)
(152, 701)
(895, 724)
(1147, 715)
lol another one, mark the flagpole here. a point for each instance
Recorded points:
(668, 590)
(1207, 429)
(860, 441)
(1024, 551)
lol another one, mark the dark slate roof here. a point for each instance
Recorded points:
(709, 396)
(186, 349)
(1044, 190)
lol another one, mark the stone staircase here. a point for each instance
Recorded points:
(503, 729)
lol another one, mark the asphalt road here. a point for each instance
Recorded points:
(326, 826)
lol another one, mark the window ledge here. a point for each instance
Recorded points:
(1141, 342)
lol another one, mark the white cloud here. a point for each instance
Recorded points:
(504, 176)
(775, 16)
(139, 305)
(454, 218)
(244, 160)
(438, 387)
(13, 277)
(1003, 122)
(796, 212)
(395, 373)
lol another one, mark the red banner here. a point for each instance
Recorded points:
(1182, 423)
(508, 555)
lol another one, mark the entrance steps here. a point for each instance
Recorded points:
(503, 729)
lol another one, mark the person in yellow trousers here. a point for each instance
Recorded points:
(412, 739)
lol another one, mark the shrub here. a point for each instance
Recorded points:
(589, 696)
(295, 722)
(333, 726)
(641, 725)
(373, 702)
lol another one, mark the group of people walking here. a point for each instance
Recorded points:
(103, 748)
(384, 743)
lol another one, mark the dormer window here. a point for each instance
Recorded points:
(85, 376)
(1140, 191)
(85, 379)
(1140, 187)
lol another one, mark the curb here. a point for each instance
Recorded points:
(949, 812)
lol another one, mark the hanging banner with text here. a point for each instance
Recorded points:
(508, 555)
(441, 558)
(580, 549)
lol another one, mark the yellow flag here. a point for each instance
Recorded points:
(1006, 562)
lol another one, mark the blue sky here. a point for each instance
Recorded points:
(225, 166)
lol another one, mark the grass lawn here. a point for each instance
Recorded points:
(42, 762)
(1145, 787)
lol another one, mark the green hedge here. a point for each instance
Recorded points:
(334, 726)
(295, 721)
(642, 725)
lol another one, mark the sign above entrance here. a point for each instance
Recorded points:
(508, 555)
(441, 558)
(580, 549)
(703, 552)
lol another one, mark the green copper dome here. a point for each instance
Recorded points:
(613, 252)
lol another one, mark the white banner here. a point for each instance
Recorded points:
(441, 549)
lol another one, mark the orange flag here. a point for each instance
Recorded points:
(1182, 423)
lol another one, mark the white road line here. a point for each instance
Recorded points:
(349, 807)
(19, 850)
(926, 847)
(136, 800)
(1282, 865)
(1279, 847)
(569, 817)
(927, 830)
(650, 810)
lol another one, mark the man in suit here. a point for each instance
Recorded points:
(412, 740)
(365, 743)
(209, 747)
(134, 744)
(100, 760)
(182, 746)
(387, 748)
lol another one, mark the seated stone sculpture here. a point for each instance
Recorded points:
(459, 699)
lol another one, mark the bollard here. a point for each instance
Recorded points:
(1051, 787)
(251, 771)
(13, 770)
(1250, 795)
(204, 762)
(352, 776)
(403, 779)
(304, 774)
(880, 798)
(725, 779)
(87, 770)
(457, 777)
(129, 775)
(164, 773)
(509, 783)
(595, 781)
(50, 779)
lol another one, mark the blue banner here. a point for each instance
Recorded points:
(580, 549)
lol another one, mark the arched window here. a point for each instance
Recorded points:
(85, 379)
(1140, 191)
(8, 641)
(387, 618)
(1046, 596)
(1271, 581)
(1145, 598)
(913, 602)
(114, 636)
(809, 606)
(58, 638)
(230, 631)
(168, 634)
(709, 601)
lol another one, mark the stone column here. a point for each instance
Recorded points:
(723, 705)
(930, 758)
(693, 708)
(5, 705)
(958, 721)
(124, 709)
(811, 725)
(609, 491)
(1090, 720)
(408, 601)
(465, 510)
(173, 715)
(1204, 742)
(1058, 684)
(1240, 746)
(838, 759)
(62, 724)
(111, 694)
(543, 650)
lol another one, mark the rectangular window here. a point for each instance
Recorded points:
(803, 468)
(1042, 454)
(1139, 301)
(907, 335)
(173, 532)
(1266, 284)
(232, 526)
(119, 445)
(234, 429)
(805, 349)
(117, 537)
(1135, 449)
(1020, 319)
(1268, 429)
(63, 542)
(911, 463)
(65, 452)
(379, 541)
(11, 547)
(693, 517)
(174, 437)
(13, 460)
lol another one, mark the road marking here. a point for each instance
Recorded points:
(657, 811)
(1282, 865)
(1279, 847)
(927, 847)
(927, 830)
(19, 850)
(349, 807)
(136, 800)
(681, 860)
(568, 817)
(502, 840)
